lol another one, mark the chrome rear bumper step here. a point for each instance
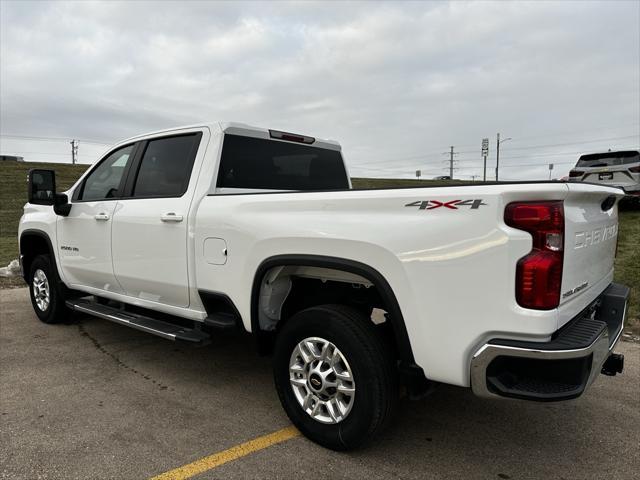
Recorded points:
(562, 368)
(163, 329)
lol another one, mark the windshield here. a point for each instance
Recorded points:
(608, 159)
(255, 163)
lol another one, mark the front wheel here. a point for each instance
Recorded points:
(46, 291)
(335, 376)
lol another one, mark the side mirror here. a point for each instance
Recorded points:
(42, 191)
(42, 187)
(61, 206)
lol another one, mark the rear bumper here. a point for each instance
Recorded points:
(562, 368)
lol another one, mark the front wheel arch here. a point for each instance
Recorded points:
(54, 309)
(33, 243)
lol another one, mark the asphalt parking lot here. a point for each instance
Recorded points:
(92, 399)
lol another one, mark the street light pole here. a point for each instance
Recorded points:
(498, 142)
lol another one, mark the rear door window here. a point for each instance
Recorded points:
(165, 168)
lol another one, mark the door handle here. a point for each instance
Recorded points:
(101, 216)
(171, 217)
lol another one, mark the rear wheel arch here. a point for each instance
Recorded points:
(395, 318)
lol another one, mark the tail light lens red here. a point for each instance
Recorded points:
(575, 173)
(635, 169)
(539, 273)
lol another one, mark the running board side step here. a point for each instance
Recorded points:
(160, 328)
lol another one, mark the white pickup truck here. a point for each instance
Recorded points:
(505, 288)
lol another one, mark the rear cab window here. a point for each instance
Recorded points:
(261, 164)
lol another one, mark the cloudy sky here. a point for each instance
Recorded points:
(396, 83)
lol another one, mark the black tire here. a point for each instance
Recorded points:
(371, 363)
(55, 311)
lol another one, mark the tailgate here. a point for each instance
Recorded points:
(591, 232)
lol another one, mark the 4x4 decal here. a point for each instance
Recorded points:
(451, 204)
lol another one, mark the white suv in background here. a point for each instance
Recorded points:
(616, 169)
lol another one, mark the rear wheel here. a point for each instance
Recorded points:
(334, 375)
(46, 291)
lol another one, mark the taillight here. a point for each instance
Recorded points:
(635, 169)
(539, 273)
(575, 173)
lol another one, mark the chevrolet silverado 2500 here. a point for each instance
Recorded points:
(504, 288)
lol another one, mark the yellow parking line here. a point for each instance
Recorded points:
(233, 453)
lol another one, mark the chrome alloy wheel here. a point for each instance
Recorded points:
(41, 290)
(322, 380)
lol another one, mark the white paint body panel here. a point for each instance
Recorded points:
(452, 271)
(85, 246)
(149, 255)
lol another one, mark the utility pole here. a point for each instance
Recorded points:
(497, 155)
(451, 153)
(74, 151)
(451, 163)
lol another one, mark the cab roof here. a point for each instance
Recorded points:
(243, 129)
